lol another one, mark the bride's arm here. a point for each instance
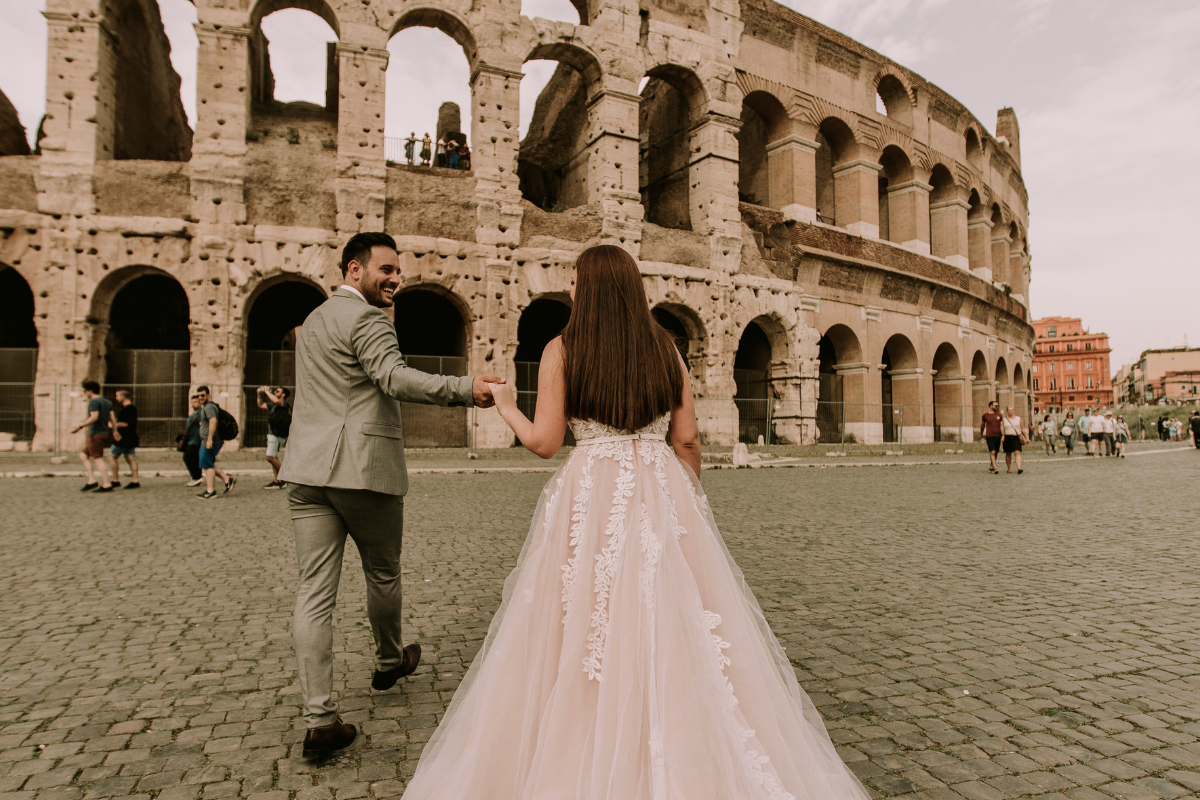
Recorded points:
(685, 434)
(545, 434)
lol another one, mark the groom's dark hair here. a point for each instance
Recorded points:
(359, 248)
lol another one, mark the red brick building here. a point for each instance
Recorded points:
(1070, 366)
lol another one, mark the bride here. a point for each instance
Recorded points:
(628, 660)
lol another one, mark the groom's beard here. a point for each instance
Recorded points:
(378, 294)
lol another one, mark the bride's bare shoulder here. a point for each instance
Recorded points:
(554, 349)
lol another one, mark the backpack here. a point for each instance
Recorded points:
(280, 419)
(227, 426)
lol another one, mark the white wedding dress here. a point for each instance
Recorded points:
(629, 660)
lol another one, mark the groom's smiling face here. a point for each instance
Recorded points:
(381, 276)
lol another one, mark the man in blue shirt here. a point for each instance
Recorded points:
(98, 420)
(210, 445)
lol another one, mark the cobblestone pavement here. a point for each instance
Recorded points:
(965, 635)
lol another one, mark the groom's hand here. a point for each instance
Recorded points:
(480, 392)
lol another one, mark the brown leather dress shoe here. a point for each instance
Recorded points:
(383, 681)
(329, 737)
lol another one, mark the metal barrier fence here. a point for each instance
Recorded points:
(896, 423)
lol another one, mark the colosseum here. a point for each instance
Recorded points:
(839, 246)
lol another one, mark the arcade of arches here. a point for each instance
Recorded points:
(839, 252)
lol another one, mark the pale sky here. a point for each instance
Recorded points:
(1106, 92)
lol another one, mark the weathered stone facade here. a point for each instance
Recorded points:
(752, 177)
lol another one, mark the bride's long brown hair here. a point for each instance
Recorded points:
(621, 366)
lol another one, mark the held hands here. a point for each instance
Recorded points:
(503, 397)
(482, 390)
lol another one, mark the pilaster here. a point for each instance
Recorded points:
(792, 177)
(948, 232)
(908, 215)
(856, 191)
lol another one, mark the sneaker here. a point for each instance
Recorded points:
(229, 483)
(133, 485)
(87, 487)
(195, 482)
(104, 489)
(206, 495)
(274, 485)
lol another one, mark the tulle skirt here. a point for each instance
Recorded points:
(629, 660)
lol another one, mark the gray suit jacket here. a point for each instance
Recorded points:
(350, 378)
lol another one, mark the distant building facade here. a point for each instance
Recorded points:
(1070, 366)
(1171, 374)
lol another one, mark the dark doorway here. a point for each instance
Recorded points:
(889, 413)
(830, 413)
(751, 370)
(540, 322)
(433, 338)
(18, 355)
(675, 327)
(274, 320)
(147, 355)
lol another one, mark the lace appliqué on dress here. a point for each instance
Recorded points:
(578, 517)
(608, 558)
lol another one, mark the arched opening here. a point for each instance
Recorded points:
(752, 377)
(897, 220)
(574, 12)
(276, 312)
(541, 321)
(974, 149)
(894, 99)
(428, 86)
(142, 78)
(670, 98)
(146, 353)
(979, 368)
(840, 373)
(18, 355)
(951, 408)
(1000, 245)
(981, 387)
(294, 70)
(676, 328)
(433, 331)
(900, 391)
(943, 230)
(553, 162)
(1016, 264)
(1003, 385)
(764, 121)
(978, 233)
(835, 146)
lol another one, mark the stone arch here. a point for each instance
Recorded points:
(897, 98)
(897, 222)
(900, 388)
(264, 8)
(1001, 372)
(952, 405)
(836, 145)
(974, 147)
(764, 121)
(444, 20)
(762, 342)
(433, 321)
(671, 100)
(946, 362)
(1018, 377)
(685, 325)
(262, 78)
(553, 161)
(841, 386)
(945, 235)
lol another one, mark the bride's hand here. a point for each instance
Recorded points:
(503, 397)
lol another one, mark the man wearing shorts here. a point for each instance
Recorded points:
(989, 429)
(210, 445)
(98, 420)
(125, 439)
(279, 423)
(1096, 433)
(1109, 436)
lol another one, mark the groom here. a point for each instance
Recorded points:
(345, 472)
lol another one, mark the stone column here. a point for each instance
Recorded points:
(785, 398)
(362, 164)
(222, 118)
(914, 419)
(948, 228)
(1000, 249)
(1016, 274)
(982, 393)
(856, 191)
(979, 249)
(713, 174)
(612, 167)
(860, 425)
(792, 177)
(908, 215)
(953, 410)
(495, 144)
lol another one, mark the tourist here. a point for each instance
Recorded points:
(989, 431)
(464, 156)
(409, 145)
(440, 155)
(1014, 437)
(98, 421)
(1068, 432)
(1095, 431)
(1109, 433)
(1122, 435)
(452, 153)
(1162, 427)
(1194, 424)
(125, 440)
(1049, 431)
(188, 443)
(210, 446)
(279, 422)
(1082, 430)
(1176, 430)
(425, 150)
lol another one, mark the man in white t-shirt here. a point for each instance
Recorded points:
(1095, 431)
(1110, 428)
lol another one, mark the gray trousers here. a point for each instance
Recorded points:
(321, 518)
